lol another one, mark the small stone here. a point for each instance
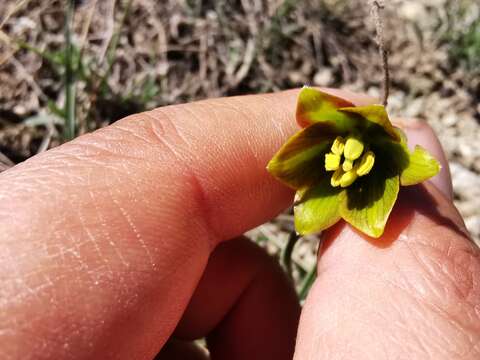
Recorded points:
(323, 77)
(450, 119)
(413, 11)
(415, 108)
(296, 77)
(473, 225)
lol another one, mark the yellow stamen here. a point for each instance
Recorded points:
(353, 148)
(332, 161)
(335, 179)
(338, 145)
(347, 165)
(366, 164)
(348, 178)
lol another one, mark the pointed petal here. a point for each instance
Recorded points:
(318, 208)
(314, 106)
(300, 161)
(376, 115)
(369, 202)
(421, 166)
(415, 167)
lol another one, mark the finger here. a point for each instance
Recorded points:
(413, 294)
(105, 238)
(244, 305)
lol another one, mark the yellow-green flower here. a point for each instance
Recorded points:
(347, 162)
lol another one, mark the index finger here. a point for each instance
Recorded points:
(105, 238)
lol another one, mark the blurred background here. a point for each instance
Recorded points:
(70, 67)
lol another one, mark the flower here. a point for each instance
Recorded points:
(347, 162)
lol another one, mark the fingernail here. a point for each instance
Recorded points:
(409, 123)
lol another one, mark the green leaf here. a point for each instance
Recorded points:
(375, 115)
(300, 161)
(318, 208)
(370, 201)
(421, 166)
(314, 106)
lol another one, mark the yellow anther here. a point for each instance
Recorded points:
(332, 161)
(347, 165)
(366, 164)
(348, 178)
(338, 145)
(353, 148)
(335, 179)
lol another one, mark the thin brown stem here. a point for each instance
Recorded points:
(377, 9)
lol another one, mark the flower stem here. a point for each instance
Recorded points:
(287, 252)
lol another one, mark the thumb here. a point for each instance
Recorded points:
(412, 294)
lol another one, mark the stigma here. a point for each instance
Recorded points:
(356, 161)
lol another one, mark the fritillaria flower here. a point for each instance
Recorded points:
(348, 162)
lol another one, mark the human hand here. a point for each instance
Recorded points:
(105, 240)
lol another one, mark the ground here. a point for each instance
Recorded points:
(133, 55)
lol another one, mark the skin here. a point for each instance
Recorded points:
(113, 246)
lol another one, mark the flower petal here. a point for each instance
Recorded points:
(300, 161)
(314, 106)
(416, 166)
(421, 166)
(391, 155)
(376, 115)
(318, 208)
(369, 202)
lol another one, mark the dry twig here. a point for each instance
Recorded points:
(377, 8)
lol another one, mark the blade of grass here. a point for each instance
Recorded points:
(43, 54)
(307, 283)
(69, 128)
(112, 47)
